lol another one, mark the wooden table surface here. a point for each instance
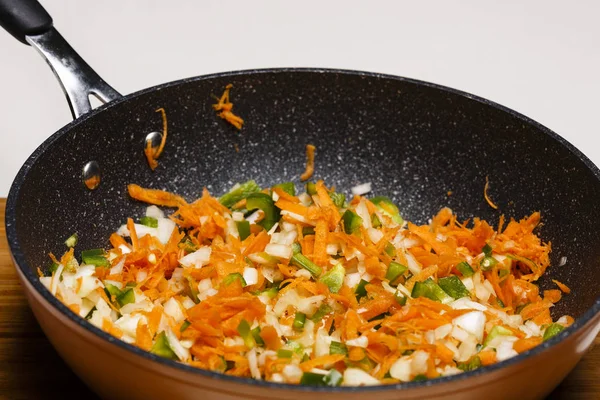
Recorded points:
(31, 369)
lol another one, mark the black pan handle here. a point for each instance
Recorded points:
(23, 18)
(29, 22)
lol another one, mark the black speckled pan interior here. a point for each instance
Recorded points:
(414, 141)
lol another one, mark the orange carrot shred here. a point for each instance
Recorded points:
(151, 153)
(564, 288)
(486, 196)
(310, 163)
(225, 107)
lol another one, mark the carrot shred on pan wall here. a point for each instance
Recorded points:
(564, 288)
(310, 163)
(151, 153)
(486, 196)
(225, 107)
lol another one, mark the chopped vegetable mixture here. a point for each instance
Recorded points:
(313, 288)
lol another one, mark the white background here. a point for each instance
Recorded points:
(541, 58)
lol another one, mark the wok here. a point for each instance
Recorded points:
(414, 141)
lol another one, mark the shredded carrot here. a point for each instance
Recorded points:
(486, 196)
(151, 153)
(564, 288)
(225, 107)
(154, 196)
(310, 163)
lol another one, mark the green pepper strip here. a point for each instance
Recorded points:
(95, 257)
(149, 222)
(375, 221)
(283, 353)
(244, 331)
(338, 348)
(126, 297)
(265, 203)
(299, 321)
(351, 221)
(187, 244)
(333, 378)
(287, 187)
(321, 312)
(338, 199)
(496, 331)
(390, 250)
(400, 299)
(71, 240)
(308, 230)
(454, 287)
(257, 338)
(334, 278)
(487, 250)
(488, 263)
(229, 279)
(395, 270)
(186, 324)
(243, 228)
(470, 365)
(386, 206)
(300, 260)
(465, 269)
(311, 188)
(239, 192)
(431, 290)
(361, 291)
(162, 348)
(112, 290)
(52, 268)
(552, 331)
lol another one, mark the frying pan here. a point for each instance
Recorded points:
(414, 141)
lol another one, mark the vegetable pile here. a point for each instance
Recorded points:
(313, 288)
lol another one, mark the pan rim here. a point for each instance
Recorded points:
(27, 271)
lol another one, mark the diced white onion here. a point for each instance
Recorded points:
(56, 278)
(271, 274)
(358, 377)
(418, 364)
(472, 322)
(465, 304)
(237, 216)
(413, 265)
(250, 276)
(292, 373)
(459, 334)
(196, 259)
(375, 235)
(118, 268)
(141, 275)
(253, 364)
(181, 352)
(332, 249)
(362, 341)
(322, 343)
(279, 250)
(467, 349)
(173, 309)
(351, 280)
(442, 331)
(401, 369)
(363, 212)
(361, 189)
(154, 212)
(505, 350)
